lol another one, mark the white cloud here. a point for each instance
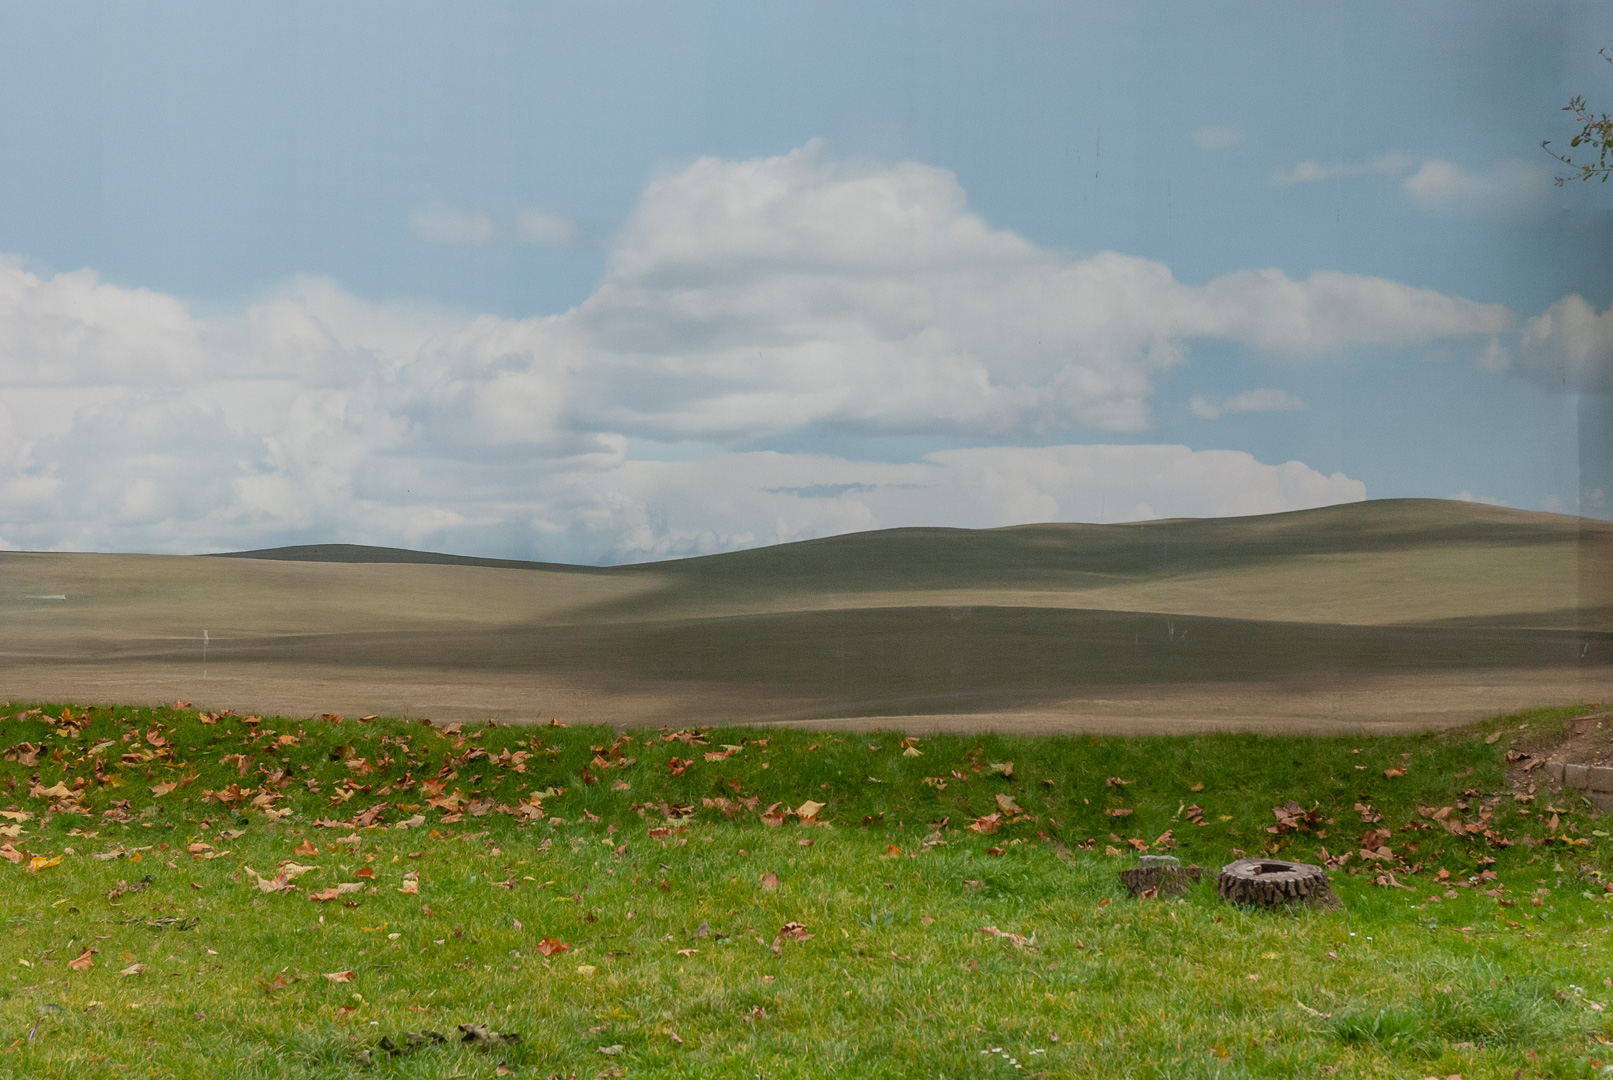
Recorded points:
(543, 227)
(1494, 357)
(741, 300)
(1263, 400)
(1467, 496)
(650, 509)
(1568, 347)
(445, 225)
(1310, 172)
(1217, 138)
(1510, 184)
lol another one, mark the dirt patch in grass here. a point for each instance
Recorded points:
(1586, 740)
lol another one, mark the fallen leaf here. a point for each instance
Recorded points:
(1393, 771)
(794, 931)
(1018, 941)
(133, 969)
(305, 849)
(808, 811)
(83, 961)
(550, 946)
(339, 976)
(159, 790)
(1009, 806)
(769, 881)
(39, 862)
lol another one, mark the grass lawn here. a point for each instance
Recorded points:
(197, 895)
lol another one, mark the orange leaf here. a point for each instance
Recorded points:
(339, 976)
(307, 847)
(83, 961)
(550, 946)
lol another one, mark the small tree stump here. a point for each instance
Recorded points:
(1272, 883)
(1160, 875)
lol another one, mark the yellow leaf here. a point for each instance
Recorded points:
(39, 862)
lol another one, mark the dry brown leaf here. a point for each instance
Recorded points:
(83, 961)
(339, 976)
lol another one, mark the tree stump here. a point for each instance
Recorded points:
(1273, 883)
(1159, 875)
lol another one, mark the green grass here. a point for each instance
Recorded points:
(897, 978)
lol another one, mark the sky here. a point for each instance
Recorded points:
(609, 283)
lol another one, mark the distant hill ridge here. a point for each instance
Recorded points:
(1373, 525)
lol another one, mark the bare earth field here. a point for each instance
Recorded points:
(1376, 617)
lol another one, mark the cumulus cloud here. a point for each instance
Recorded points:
(1262, 400)
(1217, 138)
(1569, 347)
(1510, 184)
(545, 227)
(741, 300)
(1310, 172)
(662, 509)
(445, 225)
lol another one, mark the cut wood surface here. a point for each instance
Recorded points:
(1274, 883)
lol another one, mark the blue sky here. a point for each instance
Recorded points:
(337, 245)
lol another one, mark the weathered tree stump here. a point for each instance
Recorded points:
(1272, 883)
(1160, 875)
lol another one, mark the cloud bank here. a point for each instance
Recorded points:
(741, 301)
(1265, 399)
(1510, 184)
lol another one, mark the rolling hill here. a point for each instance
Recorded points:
(1395, 611)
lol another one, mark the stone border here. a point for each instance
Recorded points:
(1595, 782)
